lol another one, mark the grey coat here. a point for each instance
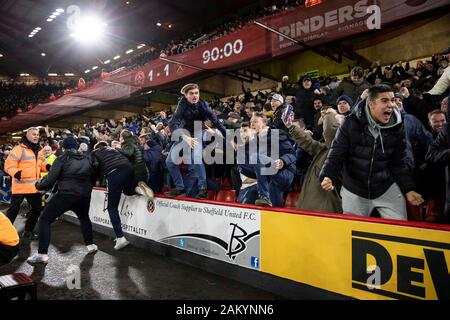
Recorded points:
(312, 196)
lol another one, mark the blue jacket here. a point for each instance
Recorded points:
(187, 113)
(285, 149)
(415, 134)
(153, 157)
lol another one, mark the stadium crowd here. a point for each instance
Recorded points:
(372, 144)
(17, 97)
(320, 106)
(205, 35)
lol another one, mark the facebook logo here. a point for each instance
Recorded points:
(181, 242)
(254, 262)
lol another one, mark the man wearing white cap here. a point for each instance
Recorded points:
(279, 107)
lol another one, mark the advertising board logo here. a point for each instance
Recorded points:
(238, 240)
(404, 268)
(139, 78)
(254, 262)
(150, 206)
(236, 245)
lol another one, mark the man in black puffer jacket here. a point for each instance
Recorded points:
(370, 148)
(74, 173)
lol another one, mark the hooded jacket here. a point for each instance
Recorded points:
(348, 88)
(74, 173)
(131, 150)
(370, 157)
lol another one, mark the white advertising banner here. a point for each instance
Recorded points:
(227, 233)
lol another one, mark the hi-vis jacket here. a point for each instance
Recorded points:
(8, 234)
(49, 160)
(22, 158)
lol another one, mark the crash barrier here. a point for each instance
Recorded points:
(348, 256)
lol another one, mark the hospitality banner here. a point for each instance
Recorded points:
(229, 234)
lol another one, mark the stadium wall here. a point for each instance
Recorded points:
(424, 41)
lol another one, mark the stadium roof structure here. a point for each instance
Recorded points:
(51, 49)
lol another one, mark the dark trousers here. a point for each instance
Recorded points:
(155, 181)
(59, 204)
(35, 201)
(270, 187)
(7, 253)
(120, 180)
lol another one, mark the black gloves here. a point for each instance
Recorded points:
(18, 175)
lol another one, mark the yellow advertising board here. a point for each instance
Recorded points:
(360, 259)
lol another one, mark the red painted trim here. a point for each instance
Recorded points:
(412, 224)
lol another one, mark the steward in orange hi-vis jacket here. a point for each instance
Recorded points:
(24, 164)
(9, 240)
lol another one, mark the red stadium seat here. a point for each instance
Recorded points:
(414, 212)
(166, 189)
(226, 196)
(291, 199)
(226, 183)
(218, 179)
(435, 209)
(296, 186)
(212, 195)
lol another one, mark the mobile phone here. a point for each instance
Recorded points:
(288, 114)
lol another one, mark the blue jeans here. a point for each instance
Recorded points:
(195, 168)
(270, 187)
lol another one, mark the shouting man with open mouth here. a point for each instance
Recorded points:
(369, 151)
